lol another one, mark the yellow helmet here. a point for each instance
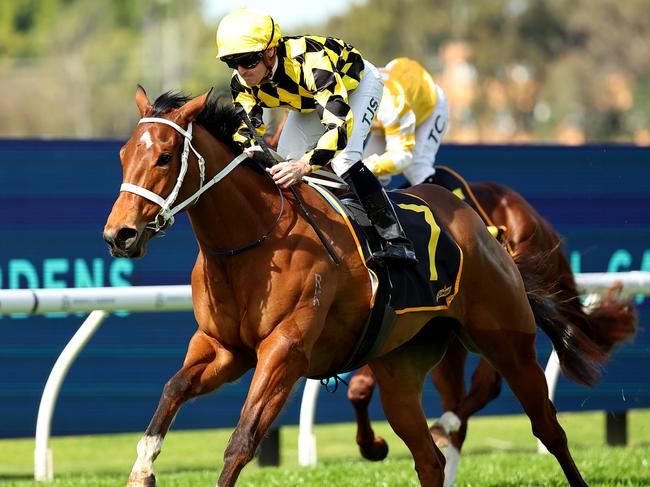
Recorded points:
(246, 30)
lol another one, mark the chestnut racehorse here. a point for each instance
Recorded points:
(268, 296)
(607, 324)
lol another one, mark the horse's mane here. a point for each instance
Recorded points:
(217, 117)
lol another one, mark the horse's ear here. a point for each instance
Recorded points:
(192, 108)
(142, 101)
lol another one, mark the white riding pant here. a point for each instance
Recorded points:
(428, 136)
(302, 130)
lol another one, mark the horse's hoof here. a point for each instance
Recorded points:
(141, 481)
(376, 451)
(440, 436)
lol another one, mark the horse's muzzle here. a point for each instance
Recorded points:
(124, 242)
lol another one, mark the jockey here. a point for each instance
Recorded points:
(409, 125)
(332, 94)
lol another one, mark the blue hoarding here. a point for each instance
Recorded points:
(54, 199)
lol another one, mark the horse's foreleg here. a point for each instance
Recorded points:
(451, 428)
(207, 366)
(449, 380)
(281, 362)
(485, 387)
(360, 390)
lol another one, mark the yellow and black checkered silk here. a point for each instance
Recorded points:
(313, 73)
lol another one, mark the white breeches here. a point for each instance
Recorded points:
(428, 136)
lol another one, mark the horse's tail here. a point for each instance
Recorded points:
(613, 320)
(583, 340)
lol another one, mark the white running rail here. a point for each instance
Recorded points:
(99, 302)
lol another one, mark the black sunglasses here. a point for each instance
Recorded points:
(247, 61)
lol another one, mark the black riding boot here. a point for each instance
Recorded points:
(381, 214)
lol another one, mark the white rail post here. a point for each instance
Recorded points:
(307, 456)
(43, 465)
(551, 372)
(99, 302)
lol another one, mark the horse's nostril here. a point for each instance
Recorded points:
(125, 237)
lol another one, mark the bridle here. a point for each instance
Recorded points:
(165, 217)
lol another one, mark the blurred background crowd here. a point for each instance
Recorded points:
(515, 71)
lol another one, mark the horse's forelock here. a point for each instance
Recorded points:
(217, 117)
(168, 102)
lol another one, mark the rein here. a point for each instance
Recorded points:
(305, 211)
(165, 217)
(244, 248)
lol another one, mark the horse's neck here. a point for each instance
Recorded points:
(238, 209)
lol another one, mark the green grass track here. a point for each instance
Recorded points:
(499, 452)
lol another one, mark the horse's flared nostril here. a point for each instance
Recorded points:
(124, 242)
(125, 238)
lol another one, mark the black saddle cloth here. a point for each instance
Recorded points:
(431, 284)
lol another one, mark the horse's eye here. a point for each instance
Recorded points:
(164, 159)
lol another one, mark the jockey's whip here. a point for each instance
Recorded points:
(269, 162)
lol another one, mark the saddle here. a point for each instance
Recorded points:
(431, 284)
(454, 182)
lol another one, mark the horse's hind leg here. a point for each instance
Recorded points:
(360, 390)
(207, 366)
(513, 355)
(401, 375)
